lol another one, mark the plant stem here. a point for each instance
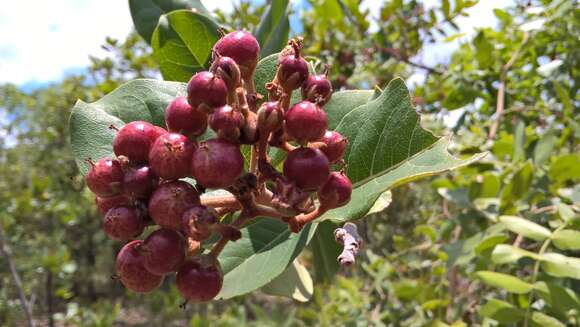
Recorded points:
(225, 201)
(5, 252)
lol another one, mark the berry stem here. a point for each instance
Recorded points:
(296, 223)
(226, 201)
(254, 159)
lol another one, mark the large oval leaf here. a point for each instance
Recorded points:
(388, 147)
(140, 99)
(182, 44)
(146, 13)
(272, 32)
(265, 250)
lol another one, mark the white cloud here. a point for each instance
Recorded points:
(40, 41)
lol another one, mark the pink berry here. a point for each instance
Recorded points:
(104, 178)
(170, 156)
(123, 223)
(292, 70)
(200, 279)
(131, 270)
(336, 191)
(228, 69)
(227, 122)
(308, 168)
(139, 182)
(317, 89)
(243, 48)
(134, 140)
(163, 251)
(206, 91)
(305, 122)
(334, 145)
(104, 204)
(182, 118)
(217, 163)
(169, 201)
(270, 117)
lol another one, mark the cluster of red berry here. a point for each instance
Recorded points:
(143, 185)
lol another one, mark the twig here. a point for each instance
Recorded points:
(225, 201)
(17, 282)
(500, 103)
(399, 57)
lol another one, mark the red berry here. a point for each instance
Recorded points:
(163, 251)
(170, 156)
(217, 163)
(105, 177)
(305, 122)
(227, 122)
(200, 279)
(123, 223)
(197, 222)
(104, 204)
(131, 270)
(270, 116)
(292, 72)
(336, 191)
(243, 48)
(227, 68)
(206, 91)
(182, 118)
(334, 145)
(307, 168)
(169, 201)
(134, 140)
(317, 89)
(139, 182)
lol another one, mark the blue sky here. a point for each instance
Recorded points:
(55, 38)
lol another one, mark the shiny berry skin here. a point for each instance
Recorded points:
(206, 91)
(228, 69)
(170, 156)
(104, 204)
(305, 122)
(217, 163)
(336, 191)
(139, 182)
(292, 72)
(334, 145)
(169, 201)
(317, 89)
(180, 117)
(123, 223)
(200, 279)
(134, 140)
(308, 168)
(131, 270)
(270, 116)
(163, 251)
(104, 178)
(197, 222)
(227, 122)
(243, 48)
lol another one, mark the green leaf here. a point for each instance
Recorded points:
(182, 44)
(388, 147)
(295, 283)
(265, 250)
(325, 251)
(140, 99)
(508, 282)
(272, 32)
(519, 141)
(525, 227)
(566, 167)
(544, 148)
(567, 239)
(559, 265)
(383, 202)
(560, 298)
(146, 13)
(543, 320)
(519, 184)
(504, 253)
(463, 251)
(483, 50)
(501, 311)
